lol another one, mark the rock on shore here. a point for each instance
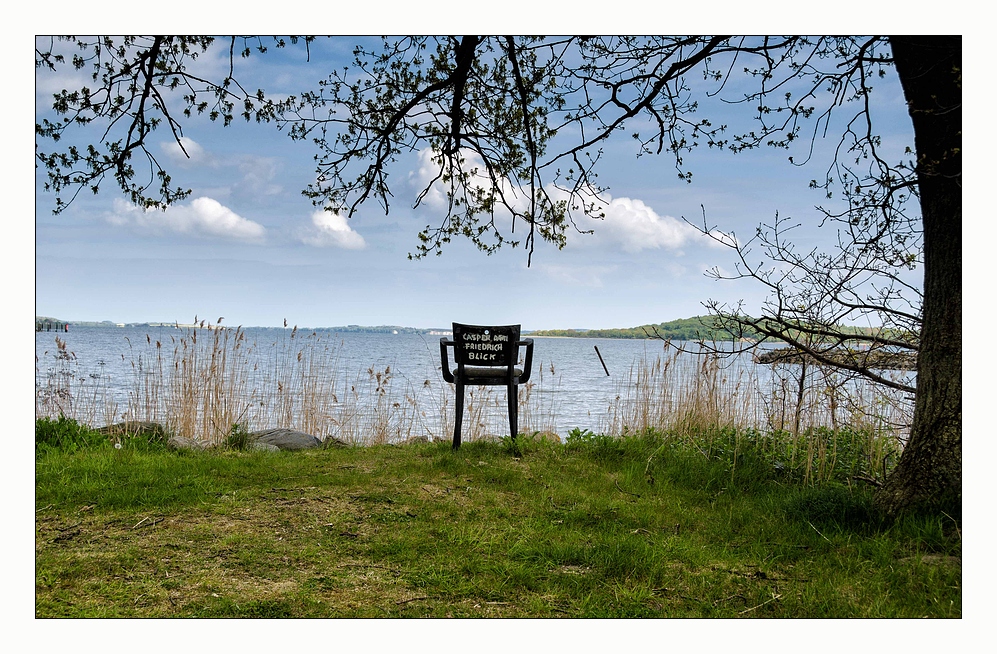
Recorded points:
(152, 431)
(285, 439)
(271, 440)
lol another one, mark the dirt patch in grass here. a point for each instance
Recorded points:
(216, 560)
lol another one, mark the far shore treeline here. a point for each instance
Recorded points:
(683, 329)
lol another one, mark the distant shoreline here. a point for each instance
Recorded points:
(683, 329)
(680, 329)
(379, 329)
(339, 330)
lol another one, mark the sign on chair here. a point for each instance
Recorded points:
(486, 356)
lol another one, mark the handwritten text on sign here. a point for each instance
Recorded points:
(484, 348)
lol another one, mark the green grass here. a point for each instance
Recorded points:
(636, 527)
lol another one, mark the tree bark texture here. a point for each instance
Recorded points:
(928, 476)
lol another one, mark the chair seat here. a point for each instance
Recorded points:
(493, 372)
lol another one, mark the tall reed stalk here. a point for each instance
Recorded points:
(681, 392)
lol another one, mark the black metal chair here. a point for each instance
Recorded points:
(486, 356)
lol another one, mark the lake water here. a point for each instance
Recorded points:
(108, 372)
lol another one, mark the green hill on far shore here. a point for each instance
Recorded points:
(683, 329)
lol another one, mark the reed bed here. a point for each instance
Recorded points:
(68, 390)
(208, 378)
(803, 416)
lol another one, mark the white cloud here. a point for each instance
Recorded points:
(436, 197)
(629, 224)
(202, 217)
(332, 230)
(191, 154)
(633, 226)
(258, 175)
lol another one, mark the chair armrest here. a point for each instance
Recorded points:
(445, 360)
(528, 364)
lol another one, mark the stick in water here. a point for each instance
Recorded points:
(601, 361)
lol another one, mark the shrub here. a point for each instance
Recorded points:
(238, 438)
(65, 434)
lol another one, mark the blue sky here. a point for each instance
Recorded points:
(248, 246)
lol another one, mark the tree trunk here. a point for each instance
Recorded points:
(928, 476)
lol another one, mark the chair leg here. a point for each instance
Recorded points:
(459, 418)
(513, 411)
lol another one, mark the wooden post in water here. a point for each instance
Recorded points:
(601, 361)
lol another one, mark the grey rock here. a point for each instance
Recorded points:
(151, 431)
(258, 446)
(181, 443)
(286, 439)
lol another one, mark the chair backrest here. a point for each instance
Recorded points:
(477, 345)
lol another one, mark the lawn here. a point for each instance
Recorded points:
(638, 527)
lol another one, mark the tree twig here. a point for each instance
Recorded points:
(774, 598)
(623, 491)
(154, 522)
(413, 599)
(818, 531)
